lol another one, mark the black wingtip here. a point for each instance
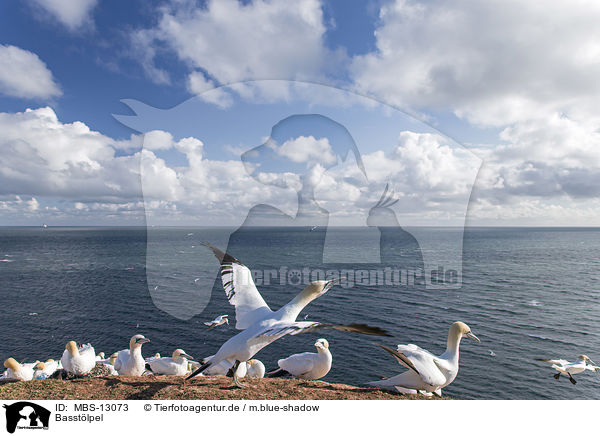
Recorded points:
(198, 371)
(400, 356)
(221, 256)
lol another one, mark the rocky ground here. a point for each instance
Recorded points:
(201, 388)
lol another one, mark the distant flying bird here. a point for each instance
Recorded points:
(131, 362)
(427, 372)
(259, 324)
(219, 320)
(175, 365)
(308, 366)
(78, 360)
(567, 368)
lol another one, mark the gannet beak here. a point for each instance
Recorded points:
(472, 336)
(142, 340)
(591, 361)
(187, 356)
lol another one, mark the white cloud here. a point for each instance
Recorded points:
(205, 89)
(42, 156)
(306, 149)
(494, 62)
(232, 42)
(71, 13)
(24, 75)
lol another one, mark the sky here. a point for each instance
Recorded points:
(182, 112)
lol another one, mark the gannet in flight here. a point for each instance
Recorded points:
(78, 360)
(219, 320)
(131, 362)
(256, 369)
(427, 372)
(176, 365)
(309, 366)
(567, 368)
(17, 371)
(259, 324)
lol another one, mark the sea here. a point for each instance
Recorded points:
(525, 292)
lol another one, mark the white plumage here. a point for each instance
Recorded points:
(427, 372)
(16, 371)
(130, 362)
(262, 326)
(219, 320)
(175, 365)
(569, 369)
(309, 366)
(255, 369)
(77, 360)
(43, 370)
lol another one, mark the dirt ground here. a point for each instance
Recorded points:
(201, 388)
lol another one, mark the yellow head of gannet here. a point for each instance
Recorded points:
(112, 359)
(101, 355)
(180, 353)
(314, 290)
(322, 344)
(157, 355)
(586, 359)
(460, 329)
(40, 366)
(11, 363)
(72, 348)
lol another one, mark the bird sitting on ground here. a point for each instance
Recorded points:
(427, 372)
(78, 360)
(259, 324)
(17, 371)
(175, 365)
(567, 368)
(131, 362)
(308, 366)
(256, 369)
(45, 369)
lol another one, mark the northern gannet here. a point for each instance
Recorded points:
(110, 363)
(78, 360)
(100, 356)
(223, 368)
(255, 369)
(219, 320)
(43, 370)
(176, 365)
(259, 324)
(17, 371)
(309, 366)
(131, 362)
(567, 368)
(427, 372)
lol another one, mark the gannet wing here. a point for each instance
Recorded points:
(298, 364)
(295, 328)
(122, 357)
(240, 290)
(559, 362)
(423, 363)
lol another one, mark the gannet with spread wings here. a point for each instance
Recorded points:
(259, 324)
